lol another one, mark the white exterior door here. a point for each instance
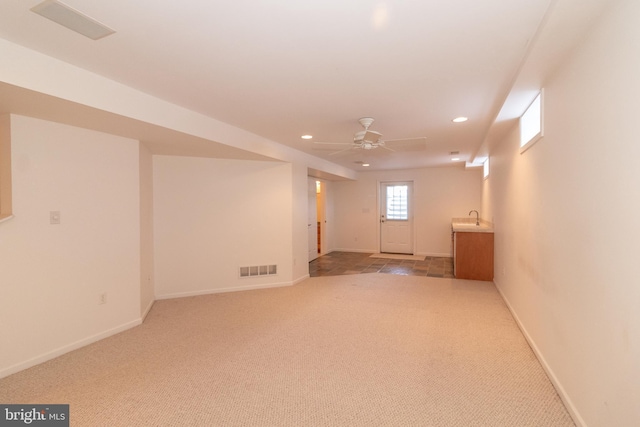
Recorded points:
(396, 222)
(312, 221)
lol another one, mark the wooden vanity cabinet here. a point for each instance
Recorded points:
(473, 255)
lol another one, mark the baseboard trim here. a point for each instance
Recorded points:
(223, 290)
(67, 348)
(147, 310)
(300, 280)
(568, 403)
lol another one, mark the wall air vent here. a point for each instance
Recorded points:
(66, 16)
(259, 270)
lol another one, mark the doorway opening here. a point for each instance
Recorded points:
(317, 221)
(312, 220)
(321, 215)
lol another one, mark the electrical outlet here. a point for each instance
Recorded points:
(103, 298)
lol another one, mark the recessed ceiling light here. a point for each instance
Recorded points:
(74, 20)
(460, 119)
(365, 165)
(455, 159)
(307, 136)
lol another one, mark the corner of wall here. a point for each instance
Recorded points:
(5, 167)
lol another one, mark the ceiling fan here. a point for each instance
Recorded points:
(369, 139)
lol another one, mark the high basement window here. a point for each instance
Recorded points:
(532, 123)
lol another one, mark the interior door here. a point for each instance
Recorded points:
(396, 222)
(312, 220)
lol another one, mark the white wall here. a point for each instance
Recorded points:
(53, 275)
(299, 222)
(212, 216)
(439, 194)
(147, 293)
(567, 228)
(5, 166)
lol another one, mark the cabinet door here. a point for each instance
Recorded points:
(474, 256)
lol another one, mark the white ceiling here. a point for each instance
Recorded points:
(281, 69)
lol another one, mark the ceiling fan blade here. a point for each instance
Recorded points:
(418, 139)
(341, 151)
(407, 144)
(371, 136)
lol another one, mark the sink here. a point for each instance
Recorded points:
(469, 225)
(465, 227)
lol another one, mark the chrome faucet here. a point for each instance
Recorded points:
(477, 216)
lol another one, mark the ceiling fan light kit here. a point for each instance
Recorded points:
(368, 139)
(367, 136)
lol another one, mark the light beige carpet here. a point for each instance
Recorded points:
(357, 350)
(399, 256)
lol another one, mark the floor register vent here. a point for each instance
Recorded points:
(258, 270)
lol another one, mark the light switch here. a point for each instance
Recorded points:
(54, 217)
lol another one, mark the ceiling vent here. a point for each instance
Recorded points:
(68, 17)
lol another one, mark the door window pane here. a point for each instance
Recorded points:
(398, 202)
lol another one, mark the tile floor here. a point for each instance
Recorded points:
(337, 263)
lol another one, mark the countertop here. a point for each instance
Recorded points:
(468, 225)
